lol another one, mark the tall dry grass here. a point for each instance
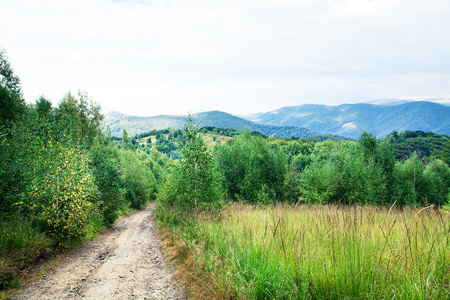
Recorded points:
(324, 252)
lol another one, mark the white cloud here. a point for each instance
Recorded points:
(161, 56)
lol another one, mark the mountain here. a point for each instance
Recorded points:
(389, 101)
(395, 101)
(350, 120)
(116, 122)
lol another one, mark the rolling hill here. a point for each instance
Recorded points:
(135, 125)
(350, 120)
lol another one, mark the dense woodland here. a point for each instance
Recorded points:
(62, 179)
(401, 169)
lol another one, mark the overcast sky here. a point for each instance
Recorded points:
(151, 57)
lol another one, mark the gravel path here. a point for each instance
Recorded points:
(124, 263)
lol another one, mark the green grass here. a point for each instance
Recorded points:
(325, 252)
(20, 245)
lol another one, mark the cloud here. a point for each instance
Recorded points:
(151, 57)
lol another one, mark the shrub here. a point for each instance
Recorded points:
(60, 195)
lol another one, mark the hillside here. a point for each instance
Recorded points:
(136, 125)
(350, 120)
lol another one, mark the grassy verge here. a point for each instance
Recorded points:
(318, 252)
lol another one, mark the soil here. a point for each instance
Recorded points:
(126, 262)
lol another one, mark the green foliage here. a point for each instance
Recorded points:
(61, 193)
(79, 118)
(418, 183)
(43, 107)
(443, 154)
(193, 184)
(8, 80)
(348, 173)
(105, 164)
(16, 152)
(368, 142)
(167, 141)
(21, 243)
(60, 179)
(157, 163)
(12, 105)
(137, 179)
(438, 175)
(220, 131)
(130, 197)
(425, 144)
(126, 141)
(251, 164)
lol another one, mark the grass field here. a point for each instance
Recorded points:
(322, 252)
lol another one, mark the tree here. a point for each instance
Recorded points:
(252, 166)
(444, 153)
(43, 107)
(80, 118)
(61, 193)
(346, 175)
(12, 105)
(126, 141)
(138, 179)
(194, 182)
(8, 80)
(105, 165)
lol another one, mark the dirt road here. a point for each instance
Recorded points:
(124, 263)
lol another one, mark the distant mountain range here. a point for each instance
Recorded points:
(346, 120)
(350, 120)
(135, 125)
(395, 101)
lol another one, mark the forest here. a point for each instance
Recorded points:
(227, 200)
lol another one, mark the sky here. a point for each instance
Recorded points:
(159, 57)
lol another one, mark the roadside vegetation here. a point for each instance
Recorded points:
(61, 179)
(320, 252)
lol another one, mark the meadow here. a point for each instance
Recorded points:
(319, 252)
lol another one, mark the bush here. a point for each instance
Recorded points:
(62, 193)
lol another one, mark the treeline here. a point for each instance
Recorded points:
(254, 169)
(61, 179)
(168, 141)
(425, 144)
(258, 170)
